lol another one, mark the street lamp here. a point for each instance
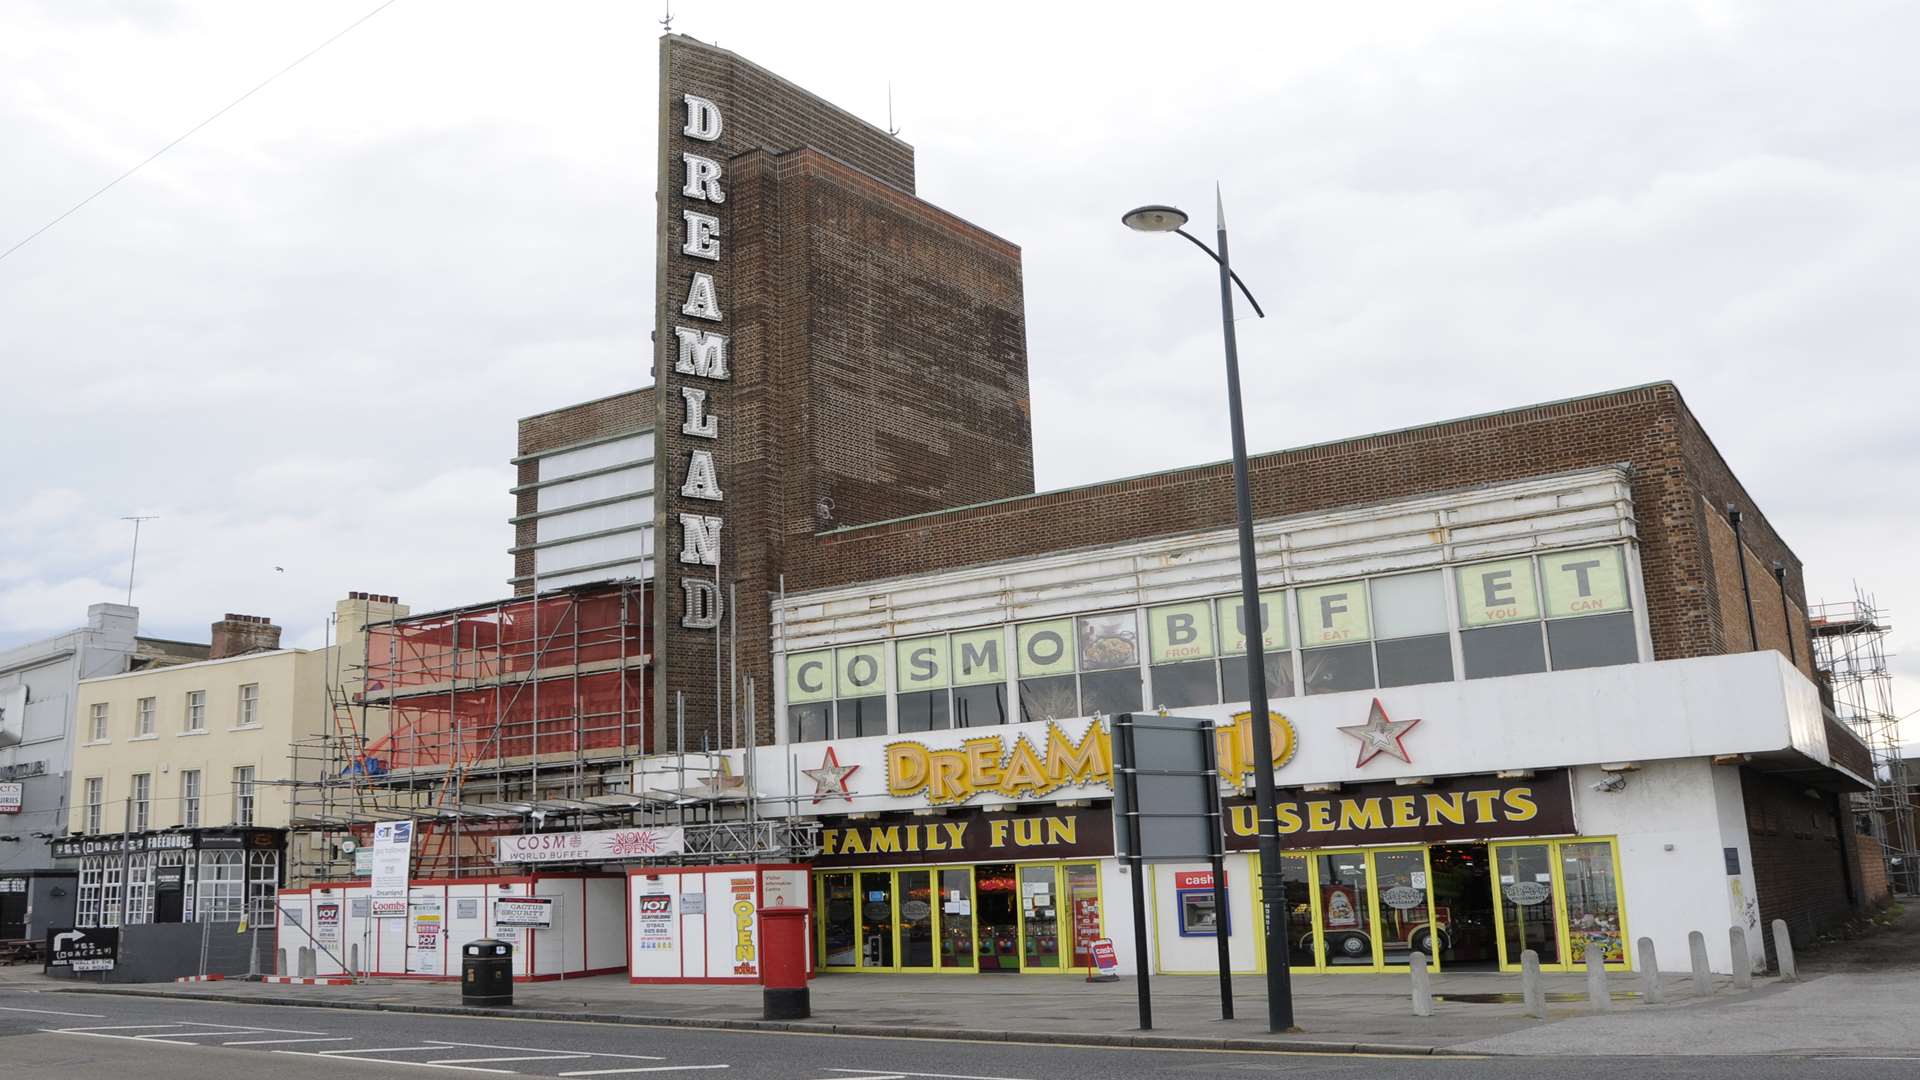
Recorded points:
(1165, 219)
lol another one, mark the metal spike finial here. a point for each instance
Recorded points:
(666, 24)
(1219, 207)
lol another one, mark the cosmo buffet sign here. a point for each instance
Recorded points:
(1046, 760)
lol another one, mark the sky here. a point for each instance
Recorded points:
(302, 336)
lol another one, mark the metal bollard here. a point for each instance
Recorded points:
(1597, 997)
(1532, 993)
(1742, 959)
(1422, 983)
(308, 964)
(1702, 972)
(1783, 948)
(280, 963)
(1652, 990)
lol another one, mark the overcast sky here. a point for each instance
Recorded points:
(302, 336)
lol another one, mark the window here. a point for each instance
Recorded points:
(249, 704)
(142, 801)
(1198, 650)
(190, 798)
(97, 722)
(1104, 649)
(1411, 642)
(221, 894)
(1334, 630)
(263, 885)
(243, 796)
(1559, 612)
(92, 873)
(96, 796)
(196, 710)
(143, 711)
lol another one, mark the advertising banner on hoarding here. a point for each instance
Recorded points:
(92, 948)
(392, 852)
(653, 923)
(611, 845)
(10, 798)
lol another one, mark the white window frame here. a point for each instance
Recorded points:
(243, 796)
(97, 722)
(196, 711)
(249, 705)
(141, 789)
(190, 798)
(144, 711)
(96, 799)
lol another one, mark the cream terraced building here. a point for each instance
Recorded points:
(186, 767)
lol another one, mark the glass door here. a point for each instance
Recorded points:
(1406, 921)
(1524, 884)
(1082, 892)
(1346, 928)
(876, 919)
(956, 919)
(1591, 886)
(997, 921)
(839, 922)
(915, 889)
(1039, 918)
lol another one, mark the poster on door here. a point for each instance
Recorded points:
(392, 854)
(426, 935)
(653, 923)
(326, 925)
(1337, 908)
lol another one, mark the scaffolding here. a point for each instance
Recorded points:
(473, 721)
(1849, 643)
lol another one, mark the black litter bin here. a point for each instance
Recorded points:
(486, 972)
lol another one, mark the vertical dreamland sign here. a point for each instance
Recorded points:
(692, 376)
(392, 852)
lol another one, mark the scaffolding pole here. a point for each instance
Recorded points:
(1850, 651)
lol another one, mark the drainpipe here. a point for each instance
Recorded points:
(1746, 588)
(1786, 613)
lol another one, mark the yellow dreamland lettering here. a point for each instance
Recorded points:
(1446, 807)
(1089, 761)
(1520, 804)
(1402, 812)
(997, 832)
(1023, 773)
(1482, 805)
(948, 771)
(1319, 816)
(983, 767)
(884, 839)
(906, 769)
(1286, 815)
(1361, 814)
(1063, 830)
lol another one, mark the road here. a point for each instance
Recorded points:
(70, 1036)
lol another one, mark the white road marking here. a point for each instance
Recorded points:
(250, 1027)
(391, 1061)
(374, 1050)
(509, 1057)
(198, 1034)
(53, 1012)
(877, 1074)
(275, 1042)
(105, 1035)
(542, 1050)
(120, 1027)
(643, 1069)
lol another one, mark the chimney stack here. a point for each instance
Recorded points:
(234, 635)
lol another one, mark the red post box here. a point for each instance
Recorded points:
(783, 944)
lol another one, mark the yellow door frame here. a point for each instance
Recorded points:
(1327, 966)
(973, 921)
(820, 920)
(1563, 933)
(1426, 874)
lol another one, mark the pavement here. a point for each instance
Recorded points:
(63, 1036)
(1345, 1012)
(1853, 999)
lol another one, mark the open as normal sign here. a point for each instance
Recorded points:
(608, 845)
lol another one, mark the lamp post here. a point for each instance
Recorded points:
(1165, 219)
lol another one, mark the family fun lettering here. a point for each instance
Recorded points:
(700, 362)
(956, 836)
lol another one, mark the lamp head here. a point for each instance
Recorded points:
(1154, 219)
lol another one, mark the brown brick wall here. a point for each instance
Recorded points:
(877, 352)
(619, 414)
(1875, 890)
(1805, 865)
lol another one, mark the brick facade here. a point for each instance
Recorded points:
(1806, 866)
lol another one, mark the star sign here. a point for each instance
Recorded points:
(830, 779)
(1380, 735)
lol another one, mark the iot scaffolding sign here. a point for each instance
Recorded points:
(1169, 813)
